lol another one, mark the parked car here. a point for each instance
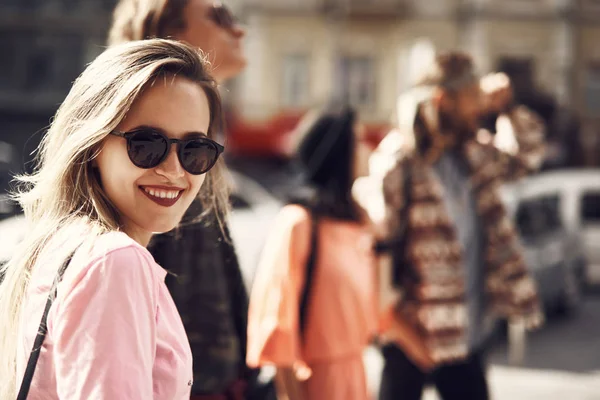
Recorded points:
(589, 219)
(253, 211)
(578, 191)
(557, 265)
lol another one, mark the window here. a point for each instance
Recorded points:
(295, 75)
(238, 202)
(30, 4)
(592, 88)
(7, 164)
(538, 216)
(10, 4)
(53, 62)
(521, 71)
(39, 69)
(8, 70)
(550, 207)
(357, 80)
(590, 207)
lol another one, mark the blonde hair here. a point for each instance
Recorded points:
(145, 19)
(63, 197)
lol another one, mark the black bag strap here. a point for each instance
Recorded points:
(310, 272)
(397, 244)
(39, 339)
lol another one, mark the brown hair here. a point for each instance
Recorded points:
(146, 19)
(450, 71)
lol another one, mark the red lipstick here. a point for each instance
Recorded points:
(161, 201)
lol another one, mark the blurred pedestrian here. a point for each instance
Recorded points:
(313, 304)
(433, 193)
(127, 153)
(206, 24)
(205, 281)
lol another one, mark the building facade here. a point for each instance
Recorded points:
(44, 45)
(303, 53)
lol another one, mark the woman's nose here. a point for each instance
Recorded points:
(237, 31)
(171, 167)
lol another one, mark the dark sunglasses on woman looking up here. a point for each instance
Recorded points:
(221, 15)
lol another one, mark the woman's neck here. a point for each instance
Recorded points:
(138, 234)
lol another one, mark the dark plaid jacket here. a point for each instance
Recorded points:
(206, 284)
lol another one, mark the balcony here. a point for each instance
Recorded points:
(346, 8)
(519, 9)
(282, 6)
(368, 8)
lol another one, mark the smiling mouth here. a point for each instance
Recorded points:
(162, 197)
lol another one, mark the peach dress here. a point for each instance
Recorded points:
(342, 315)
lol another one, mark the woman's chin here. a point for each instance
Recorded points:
(157, 229)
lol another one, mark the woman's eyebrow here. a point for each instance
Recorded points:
(187, 135)
(144, 126)
(195, 134)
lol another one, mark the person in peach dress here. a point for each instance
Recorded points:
(324, 358)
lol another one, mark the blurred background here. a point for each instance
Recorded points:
(303, 53)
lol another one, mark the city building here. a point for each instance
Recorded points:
(44, 45)
(303, 53)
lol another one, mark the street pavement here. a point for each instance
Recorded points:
(562, 362)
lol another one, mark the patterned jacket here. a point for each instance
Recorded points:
(433, 290)
(206, 284)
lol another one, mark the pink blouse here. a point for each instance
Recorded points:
(113, 330)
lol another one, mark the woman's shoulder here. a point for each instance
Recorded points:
(106, 268)
(116, 244)
(116, 249)
(294, 217)
(295, 213)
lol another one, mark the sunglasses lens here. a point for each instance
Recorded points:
(223, 16)
(147, 148)
(198, 156)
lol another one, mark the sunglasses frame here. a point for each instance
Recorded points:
(216, 14)
(181, 143)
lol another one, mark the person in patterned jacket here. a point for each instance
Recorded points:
(456, 261)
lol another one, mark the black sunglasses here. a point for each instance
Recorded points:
(222, 16)
(148, 147)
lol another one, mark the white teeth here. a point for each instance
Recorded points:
(162, 194)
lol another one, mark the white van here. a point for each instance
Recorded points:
(579, 193)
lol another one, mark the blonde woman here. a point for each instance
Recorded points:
(127, 153)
